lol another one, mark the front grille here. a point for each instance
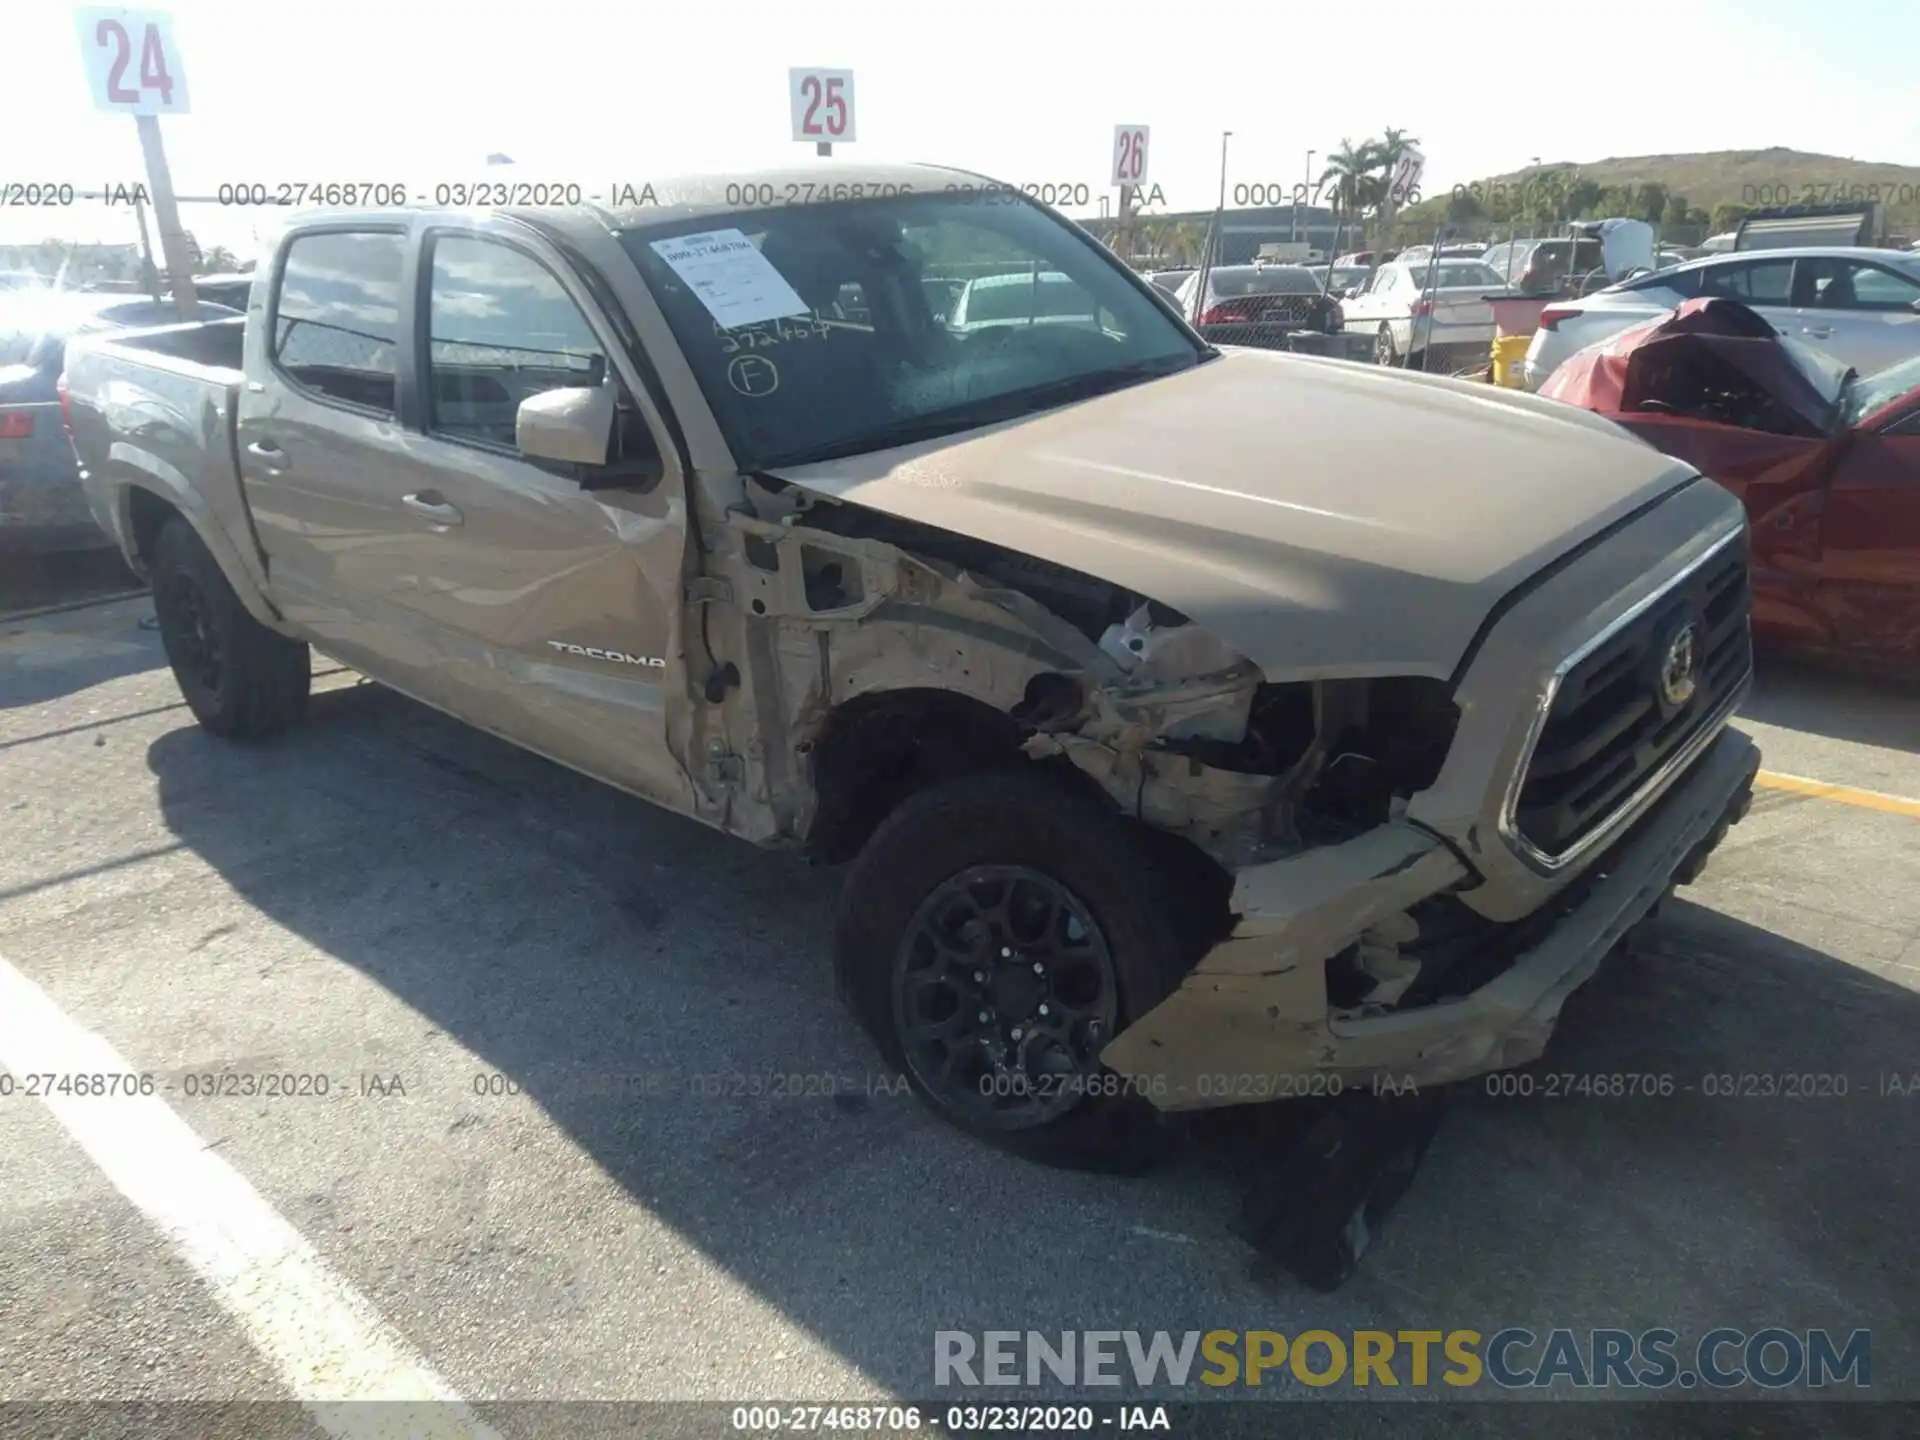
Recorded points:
(1612, 727)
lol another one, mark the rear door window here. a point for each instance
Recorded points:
(336, 324)
(1754, 282)
(1684, 283)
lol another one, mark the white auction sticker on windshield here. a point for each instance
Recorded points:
(737, 284)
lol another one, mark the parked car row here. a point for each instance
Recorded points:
(1861, 306)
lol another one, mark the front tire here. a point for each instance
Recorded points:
(241, 680)
(994, 934)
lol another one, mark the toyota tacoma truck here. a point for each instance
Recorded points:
(1202, 726)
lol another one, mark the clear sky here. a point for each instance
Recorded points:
(418, 90)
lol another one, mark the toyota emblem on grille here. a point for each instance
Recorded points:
(1678, 676)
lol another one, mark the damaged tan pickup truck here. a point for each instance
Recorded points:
(1202, 726)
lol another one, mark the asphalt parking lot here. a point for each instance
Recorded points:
(531, 997)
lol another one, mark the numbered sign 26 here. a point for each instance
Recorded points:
(132, 61)
(822, 104)
(1129, 154)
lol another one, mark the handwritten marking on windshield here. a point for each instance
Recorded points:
(1294, 506)
(753, 375)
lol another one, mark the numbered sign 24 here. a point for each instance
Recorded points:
(132, 61)
(822, 104)
(1129, 154)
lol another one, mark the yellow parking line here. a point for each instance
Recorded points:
(1845, 794)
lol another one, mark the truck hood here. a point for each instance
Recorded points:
(1325, 519)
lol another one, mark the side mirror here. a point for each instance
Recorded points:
(1916, 307)
(573, 424)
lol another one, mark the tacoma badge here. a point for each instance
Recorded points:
(594, 653)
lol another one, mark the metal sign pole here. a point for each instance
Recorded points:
(149, 272)
(166, 215)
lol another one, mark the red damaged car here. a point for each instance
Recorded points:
(1827, 463)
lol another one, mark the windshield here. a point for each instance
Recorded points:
(812, 335)
(1865, 394)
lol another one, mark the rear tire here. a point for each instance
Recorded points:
(241, 680)
(1384, 352)
(996, 931)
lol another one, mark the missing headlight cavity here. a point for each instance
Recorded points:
(1372, 741)
(832, 581)
(1391, 746)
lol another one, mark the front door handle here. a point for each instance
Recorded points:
(433, 505)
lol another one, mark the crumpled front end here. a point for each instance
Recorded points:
(1442, 944)
(1388, 907)
(1256, 1021)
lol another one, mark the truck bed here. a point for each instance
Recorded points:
(160, 404)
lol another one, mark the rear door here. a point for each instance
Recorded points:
(549, 594)
(1858, 312)
(319, 434)
(1870, 544)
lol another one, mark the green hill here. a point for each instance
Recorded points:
(1688, 196)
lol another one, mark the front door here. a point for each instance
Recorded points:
(552, 592)
(1870, 545)
(1859, 312)
(1778, 479)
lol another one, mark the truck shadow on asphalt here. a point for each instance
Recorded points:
(647, 981)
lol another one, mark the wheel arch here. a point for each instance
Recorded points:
(145, 511)
(874, 751)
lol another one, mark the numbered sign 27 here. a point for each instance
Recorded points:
(132, 61)
(1404, 187)
(822, 104)
(1129, 154)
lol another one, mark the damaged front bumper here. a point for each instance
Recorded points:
(1253, 1022)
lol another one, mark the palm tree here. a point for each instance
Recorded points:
(1346, 177)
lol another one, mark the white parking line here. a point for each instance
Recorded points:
(329, 1344)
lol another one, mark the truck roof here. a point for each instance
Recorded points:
(687, 197)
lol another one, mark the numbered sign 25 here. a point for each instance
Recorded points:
(132, 61)
(822, 104)
(1129, 154)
